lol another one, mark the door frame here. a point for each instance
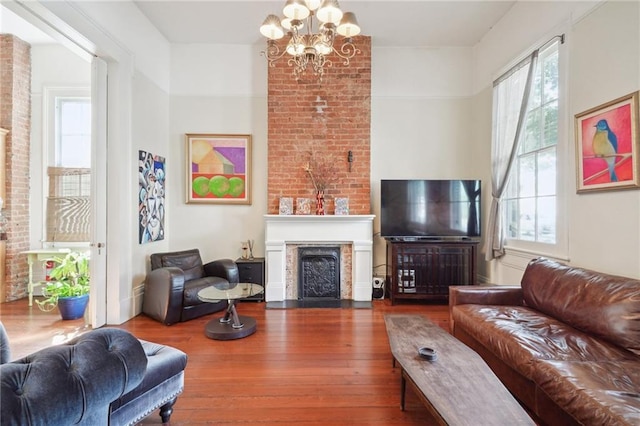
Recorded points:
(59, 20)
(99, 190)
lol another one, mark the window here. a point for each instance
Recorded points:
(531, 195)
(73, 132)
(68, 200)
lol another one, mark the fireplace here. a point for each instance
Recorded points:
(352, 234)
(318, 272)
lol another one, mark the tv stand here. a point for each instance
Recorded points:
(424, 270)
(428, 239)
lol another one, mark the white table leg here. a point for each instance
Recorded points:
(30, 283)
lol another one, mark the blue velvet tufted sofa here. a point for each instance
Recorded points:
(103, 377)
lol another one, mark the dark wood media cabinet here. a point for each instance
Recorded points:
(424, 270)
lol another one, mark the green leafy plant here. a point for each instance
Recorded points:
(69, 277)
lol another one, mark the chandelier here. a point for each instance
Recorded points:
(310, 48)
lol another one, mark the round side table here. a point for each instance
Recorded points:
(231, 325)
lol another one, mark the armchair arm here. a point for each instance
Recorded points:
(223, 268)
(163, 294)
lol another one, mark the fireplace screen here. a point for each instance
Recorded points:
(318, 272)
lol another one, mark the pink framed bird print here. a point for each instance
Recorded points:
(607, 146)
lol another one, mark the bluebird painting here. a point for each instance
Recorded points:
(605, 145)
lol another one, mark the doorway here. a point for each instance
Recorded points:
(68, 122)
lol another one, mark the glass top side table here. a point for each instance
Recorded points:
(231, 326)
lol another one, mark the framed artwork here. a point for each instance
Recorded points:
(218, 169)
(342, 206)
(303, 206)
(607, 146)
(151, 196)
(286, 205)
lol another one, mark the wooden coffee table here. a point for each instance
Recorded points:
(458, 387)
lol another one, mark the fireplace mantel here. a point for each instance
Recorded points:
(281, 230)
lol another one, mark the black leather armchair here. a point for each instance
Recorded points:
(171, 288)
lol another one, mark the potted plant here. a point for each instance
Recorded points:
(69, 286)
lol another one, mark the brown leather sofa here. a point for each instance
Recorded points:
(171, 287)
(566, 342)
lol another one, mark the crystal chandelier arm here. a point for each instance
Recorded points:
(273, 52)
(347, 51)
(319, 64)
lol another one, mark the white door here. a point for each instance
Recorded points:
(98, 297)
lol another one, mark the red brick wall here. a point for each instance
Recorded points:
(298, 128)
(15, 116)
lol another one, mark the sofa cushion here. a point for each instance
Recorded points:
(519, 336)
(605, 305)
(593, 392)
(164, 362)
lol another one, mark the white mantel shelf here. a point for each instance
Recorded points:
(281, 230)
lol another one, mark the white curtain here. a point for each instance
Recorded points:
(510, 99)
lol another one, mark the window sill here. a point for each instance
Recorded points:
(527, 253)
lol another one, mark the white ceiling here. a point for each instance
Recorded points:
(390, 23)
(448, 23)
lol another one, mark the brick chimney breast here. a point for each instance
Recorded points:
(326, 120)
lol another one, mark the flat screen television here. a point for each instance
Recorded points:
(429, 209)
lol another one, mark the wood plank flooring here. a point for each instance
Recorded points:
(315, 366)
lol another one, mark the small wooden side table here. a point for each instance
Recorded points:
(252, 271)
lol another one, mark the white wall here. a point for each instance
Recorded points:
(603, 45)
(218, 89)
(520, 31)
(420, 112)
(605, 64)
(416, 130)
(150, 132)
(139, 83)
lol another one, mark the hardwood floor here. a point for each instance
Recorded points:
(314, 366)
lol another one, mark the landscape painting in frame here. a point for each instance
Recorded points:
(151, 196)
(218, 169)
(607, 146)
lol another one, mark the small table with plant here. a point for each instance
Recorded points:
(69, 286)
(232, 325)
(37, 256)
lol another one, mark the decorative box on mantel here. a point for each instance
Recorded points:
(355, 230)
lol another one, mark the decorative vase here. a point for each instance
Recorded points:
(72, 307)
(320, 203)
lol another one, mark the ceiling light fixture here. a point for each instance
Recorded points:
(310, 47)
